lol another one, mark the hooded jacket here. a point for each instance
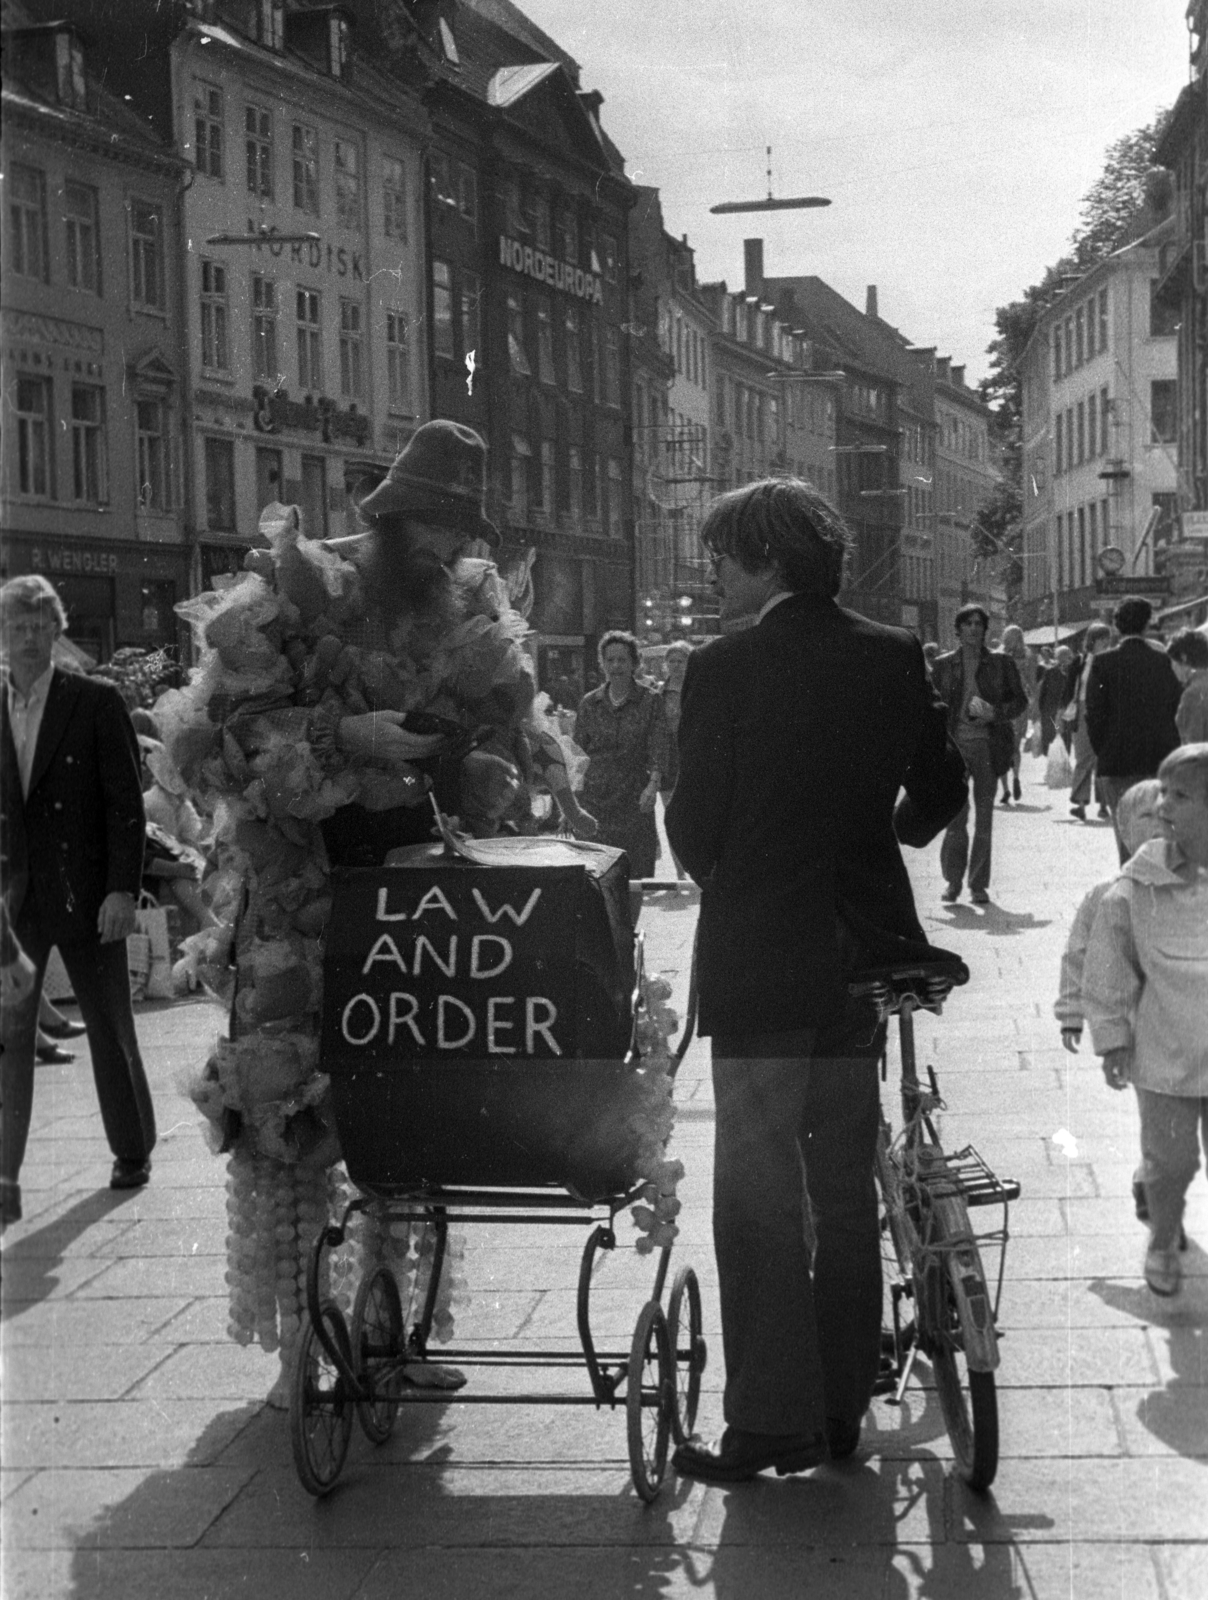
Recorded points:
(1145, 984)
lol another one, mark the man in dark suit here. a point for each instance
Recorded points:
(71, 854)
(1132, 696)
(796, 736)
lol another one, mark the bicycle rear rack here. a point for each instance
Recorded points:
(966, 1173)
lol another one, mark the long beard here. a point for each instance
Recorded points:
(407, 584)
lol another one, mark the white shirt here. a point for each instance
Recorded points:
(25, 721)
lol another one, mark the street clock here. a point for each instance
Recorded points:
(1111, 560)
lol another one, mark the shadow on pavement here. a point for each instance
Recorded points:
(1176, 1414)
(30, 1261)
(993, 919)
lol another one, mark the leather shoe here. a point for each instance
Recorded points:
(979, 897)
(10, 1202)
(130, 1174)
(952, 892)
(739, 1456)
(842, 1437)
(53, 1054)
(66, 1029)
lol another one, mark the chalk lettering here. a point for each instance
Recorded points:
(424, 943)
(505, 910)
(346, 1019)
(502, 962)
(384, 949)
(443, 1041)
(398, 1020)
(435, 900)
(388, 916)
(496, 1024)
(532, 1027)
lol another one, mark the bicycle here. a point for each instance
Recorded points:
(933, 1254)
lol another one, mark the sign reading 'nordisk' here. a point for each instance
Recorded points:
(456, 964)
(557, 274)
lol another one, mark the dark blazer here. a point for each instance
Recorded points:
(998, 683)
(78, 835)
(795, 738)
(1132, 695)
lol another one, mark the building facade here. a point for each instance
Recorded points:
(1100, 424)
(965, 475)
(95, 476)
(528, 266)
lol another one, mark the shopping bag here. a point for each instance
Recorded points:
(151, 923)
(138, 963)
(1035, 741)
(1058, 773)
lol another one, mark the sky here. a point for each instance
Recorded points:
(955, 138)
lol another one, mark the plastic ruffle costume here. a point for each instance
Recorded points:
(285, 652)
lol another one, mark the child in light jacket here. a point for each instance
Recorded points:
(1145, 992)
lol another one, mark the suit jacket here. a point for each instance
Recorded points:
(1132, 696)
(78, 835)
(998, 683)
(795, 739)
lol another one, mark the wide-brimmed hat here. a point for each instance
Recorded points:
(441, 477)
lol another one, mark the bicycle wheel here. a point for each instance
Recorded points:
(895, 1217)
(688, 1351)
(377, 1342)
(649, 1400)
(968, 1399)
(320, 1412)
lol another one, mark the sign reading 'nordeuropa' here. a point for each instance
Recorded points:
(426, 964)
(546, 269)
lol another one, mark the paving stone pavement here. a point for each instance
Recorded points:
(140, 1459)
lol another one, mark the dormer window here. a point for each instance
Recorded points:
(448, 44)
(337, 45)
(69, 71)
(271, 20)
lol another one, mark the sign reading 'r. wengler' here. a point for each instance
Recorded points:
(449, 962)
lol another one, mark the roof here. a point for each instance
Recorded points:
(510, 84)
(511, 20)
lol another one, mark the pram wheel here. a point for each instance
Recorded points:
(649, 1399)
(688, 1350)
(320, 1413)
(377, 1339)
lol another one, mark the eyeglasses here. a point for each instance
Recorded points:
(28, 627)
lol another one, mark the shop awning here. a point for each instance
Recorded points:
(1034, 637)
(1184, 609)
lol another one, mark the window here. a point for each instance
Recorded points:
(352, 360)
(264, 328)
(1104, 415)
(1069, 345)
(574, 469)
(220, 484)
(157, 599)
(154, 465)
(520, 461)
(69, 71)
(1163, 319)
(470, 300)
(597, 370)
(270, 20)
(442, 309)
(1057, 355)
(1079, 338)
(1082, 545)
(310, 340)
(306, 169)
(147, 255)
(270, 476)
(28, 252)
(348, 184)
(1080, 434)
(1102, 341)
(1060, 554)
(612, 368)
(1092, 512)
(394, 199)
(591, 487)
(35, 473)
(82, 237)
(258, 127)
(467, 194)
(1163, 411)
(337, 45)
(542, 233)
(1105, 527)
(89, 458)
(614, 498)
(214, 343)
(517, 359)
(314, 497)
(546, 499)
(609, 245)
(574, 353)
(398, 362)
(545, 341)
(1059, 447)
(207, 129)
(1090, 329)
(1092, 425)
(568, 237)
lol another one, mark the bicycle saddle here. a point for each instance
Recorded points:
(927, 983)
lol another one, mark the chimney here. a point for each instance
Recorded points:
(752, 255)
(870, 301)
(941, 368)
(958, 376)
